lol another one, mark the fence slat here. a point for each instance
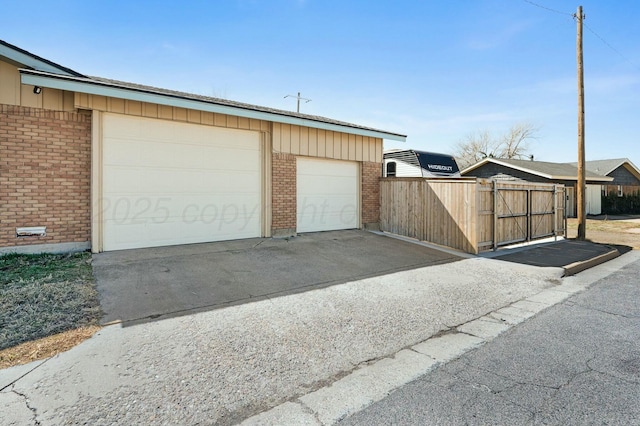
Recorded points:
(459, 213)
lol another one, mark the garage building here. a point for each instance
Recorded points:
(87, 162)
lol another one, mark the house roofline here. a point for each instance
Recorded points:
(626, 162)
(635, 170)
(28, 59)
(183, 100)
(632, 168)
(474, 166)
(534, 172)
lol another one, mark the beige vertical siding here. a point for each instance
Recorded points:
(297, 140)
(12, 92)
(9, 84)
(143, 109)
(287, 138)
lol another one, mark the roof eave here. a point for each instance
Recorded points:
(524, 169)
(628, 164)
(104, 89)
(29, 60)
(474, 166)
(533, 172)
(589, 178)
(621, 163)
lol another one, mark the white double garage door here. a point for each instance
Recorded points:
(168, 183)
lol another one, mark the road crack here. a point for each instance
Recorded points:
(608, 312)
(36, 422)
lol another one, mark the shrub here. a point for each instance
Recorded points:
(627, 204)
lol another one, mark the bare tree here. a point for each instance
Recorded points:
(479, 145)
(474, 147)
(515, 143)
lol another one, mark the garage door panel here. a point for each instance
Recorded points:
(134, 128)
(137, 207)
(126, 236)
(152, 181)
(327, 195)
(329, 187)
(204, 185)
(328, 221)
(177, 155)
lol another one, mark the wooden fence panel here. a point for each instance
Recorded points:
(471, 214)
(436, 211)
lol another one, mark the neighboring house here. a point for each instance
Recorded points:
(87, 162)
(544, 172)
(626, 176)
(413, 163)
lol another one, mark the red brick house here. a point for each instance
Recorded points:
(87, 162)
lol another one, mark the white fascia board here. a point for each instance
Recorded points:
(548, 176)
(533, 172)
(29, 61)
(524, 169)
(617, 165)
(474, 166)
(161, 99)
(589, 178)
(628, 164)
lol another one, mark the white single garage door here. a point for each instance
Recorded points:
(167, 183)
(327, 195)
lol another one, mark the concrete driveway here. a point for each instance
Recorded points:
(141, 285)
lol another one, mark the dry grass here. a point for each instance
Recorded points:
(48, 304)
(46, 347)
(616, 232)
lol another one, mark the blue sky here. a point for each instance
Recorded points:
(436, 70)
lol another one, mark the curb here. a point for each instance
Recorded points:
(576, 267)
(370, 382)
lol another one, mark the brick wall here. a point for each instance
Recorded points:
(371, 173)
(283, 197)
(45, 175)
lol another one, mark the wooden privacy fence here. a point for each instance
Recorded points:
(471, 214)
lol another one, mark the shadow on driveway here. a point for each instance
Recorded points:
(142, 285)
(558, 254)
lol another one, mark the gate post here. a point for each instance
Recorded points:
(529, 217)
(495, 215)
(564, 211)
(555, 212)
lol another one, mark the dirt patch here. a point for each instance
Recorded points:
(46, 347)
(614, 232)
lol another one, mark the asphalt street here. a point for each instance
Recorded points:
(576, 363)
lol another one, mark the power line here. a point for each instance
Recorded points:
(610, 46)
(548, 8)
(573, 15)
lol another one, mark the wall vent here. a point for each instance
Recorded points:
(31, 231)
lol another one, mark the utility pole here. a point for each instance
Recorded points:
(582, 187)
(298, 98)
